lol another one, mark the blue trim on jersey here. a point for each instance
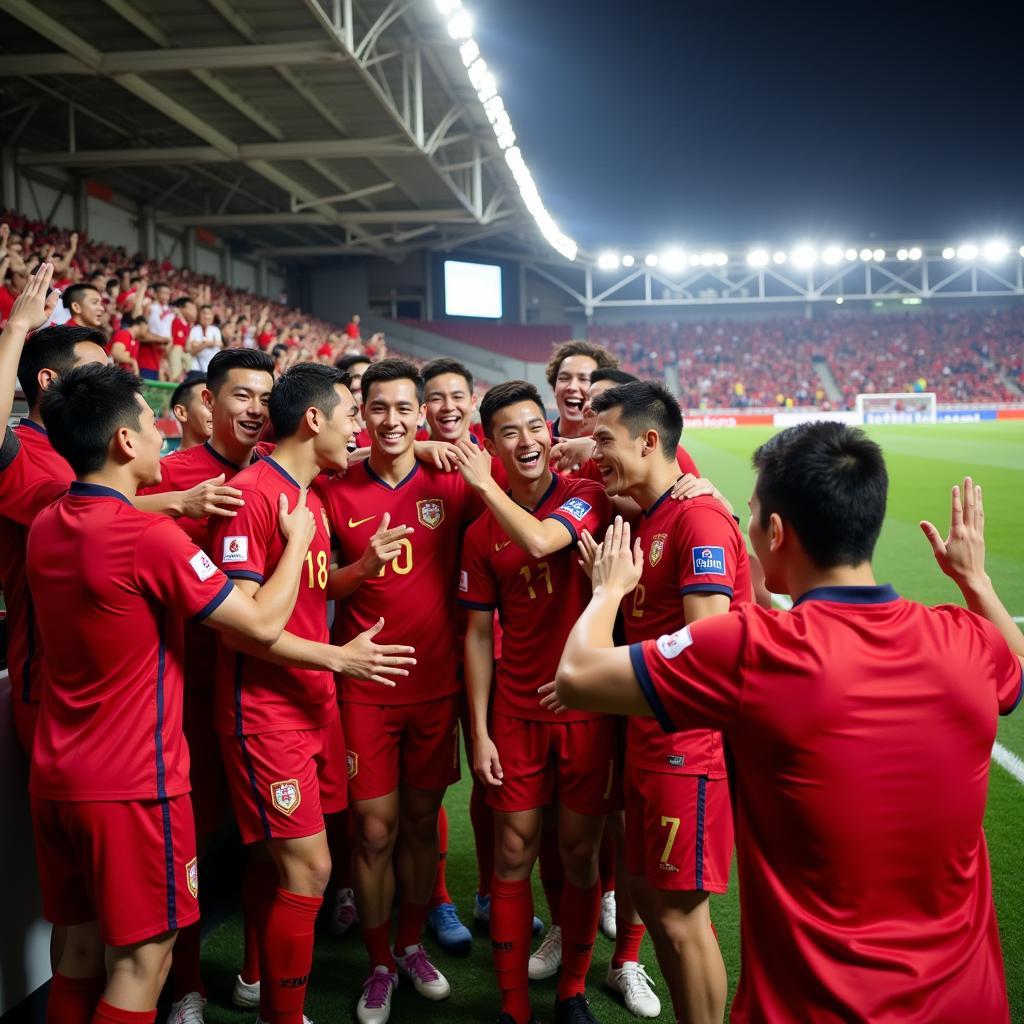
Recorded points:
(32, 425)
(881, 594)
(30, 648)
(477, 605)
(706, 588)
(260, 806)
(220, 458)
(643, 677)
(161, 778)
(79, 489)
(245, 574)
(284, 472)
(172, 896)
(565, 522)
(1020, 695)
(650, 511)
(214, 603)
(401, 483)
(546, 495)
(702, 797)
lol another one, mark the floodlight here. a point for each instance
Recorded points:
(948, 253)
(707, 259)
(804, 256)
(694, 259)
(1021, 250)
(878, 255)
(721, 259)
(651, 259)
(967, 251)
(673, 260)
(995, 250)
(487, 89)
(914, 252)
(460, 25)
(865, 255)
(779, 257)
(469, 52)
(628, 260)
(447, 7)
(850, 254)
(757, 257)
(901, 254)
(608, 261)
(832, 255)
(839, 300)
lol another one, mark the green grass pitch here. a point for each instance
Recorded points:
(923, 464)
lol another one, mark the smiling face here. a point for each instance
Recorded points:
(147, 444)
(521, 440)
(240, 406)
(617, 454)
(572, 384)
(392, 412)
(337, 431)
(589, 416)
(449, 404)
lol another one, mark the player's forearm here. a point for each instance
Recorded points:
(288, 650)
(346, 580)
(982, 599)
(536, 537)
(169, 503)
(479, 668)
(276, 598)
(12, 341)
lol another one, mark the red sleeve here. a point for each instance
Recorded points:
(685, 461)
(25, 486)
(239, 544)
(177, 573)
(585, 508)
(709, 550)
(1007, 671)
(477, 586)
(690, 678)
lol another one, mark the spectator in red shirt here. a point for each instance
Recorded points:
(85, 304)
(123, 347)
(352, 328)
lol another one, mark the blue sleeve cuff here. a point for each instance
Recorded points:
(706, 588)
(245, 574)
(568, 525)
(478, 606)
(643, 676)
(217, 601)
(1020, 694)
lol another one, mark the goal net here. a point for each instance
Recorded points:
(906, 407)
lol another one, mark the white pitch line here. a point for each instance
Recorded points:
(783, 601)
(1010, 761)
(1018, 618)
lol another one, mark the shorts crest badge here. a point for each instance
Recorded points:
(352, 763)
(430, 512)
(192, 877)
(657, 548)
(285, 795)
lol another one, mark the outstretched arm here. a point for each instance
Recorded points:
(31, 308)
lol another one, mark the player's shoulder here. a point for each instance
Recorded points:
(704, 513)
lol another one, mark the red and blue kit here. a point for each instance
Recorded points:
(110, 768)
(32, 476)
(538, 602)
(679, 832)
(860, 729)
(409, 731)
(280, 730)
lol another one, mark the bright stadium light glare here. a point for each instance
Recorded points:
(460, 25)
(447, 7)
(694, 259)
(778, 257)
(902, 254)
(721, 259)
(967, 251)
(948, 253)
(865, 255)
(707, 259)
(995, 250)
(878, 255)
(628, 260)
(839, 300)
(914, 252)
(832, 255)
(651, 259)
(469, 52)
(758, 257)
(850, 254)
(1020, 251)
(673, 260)
(804, 256)
(608, 261)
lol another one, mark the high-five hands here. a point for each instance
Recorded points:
(617, 564)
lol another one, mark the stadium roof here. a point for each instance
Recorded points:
(296, 129)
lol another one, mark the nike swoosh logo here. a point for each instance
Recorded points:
(500, 547)
(353, 523)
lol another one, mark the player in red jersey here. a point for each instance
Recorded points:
(113, 827)
(679, 835)
(568, 375)
(189, 409)
(860, 729)
(519, 558)
(277, 711)
(403, 743)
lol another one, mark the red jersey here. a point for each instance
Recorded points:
(860, 728)
(690, 547)
(538, 600)
(416, 592)
(32, 476)
(255, 696)
(126, 338)
(179, 332)
(7, 300)
(111, 585)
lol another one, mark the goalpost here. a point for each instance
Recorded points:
(897, 407)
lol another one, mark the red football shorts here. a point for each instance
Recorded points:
(25, 714)
(130, 865)
(678, 830)
(283, 783)
(412, 744)
(577, 762)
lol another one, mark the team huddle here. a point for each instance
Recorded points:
(305, 626)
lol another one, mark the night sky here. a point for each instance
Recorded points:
(650, 122)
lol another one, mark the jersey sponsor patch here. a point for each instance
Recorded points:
(202, 566)
(709, 561)
(671, 645)
(575, 507)
(430, 512)
(236, 549)
(657, 548)
(676, 760)
(285, 795)
(192, 877)
(464, 581)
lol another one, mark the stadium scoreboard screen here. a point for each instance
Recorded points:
(472, 289)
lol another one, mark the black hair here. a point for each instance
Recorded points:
(182, 302)
(613, 374)
(346, 362)
(507, 393)
(52, 348)
(84, 408)
(159, 284)
(829, 482)
(645, 406)
(183, 392)
(437, 367)
(300, 388)
(601, 356)
(74, 292)
(236, 359)
(392, 369)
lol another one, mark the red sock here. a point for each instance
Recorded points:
(440, 894)
(378, 946)
(482, 820)
(627, 944)
(73, 1000)
(288, 955)
(107, 1014)
(511, 926)
(411, 919)
(187, 976)
(552, 873)
(606, 863)
(259, 886)
(581, 909)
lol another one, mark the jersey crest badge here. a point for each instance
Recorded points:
(708, 561)
(671, 645)
(285, 795)
(575, 507)
(464, 581)
(202, 566)
(192, 877)
(657, 548)
(236, 549)
(352, 763)
(430, 512)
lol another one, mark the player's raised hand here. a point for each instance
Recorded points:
(617, 564)
(548, 699)
(961, 556)
(440, 454)
(587, 548)
(298, 525)
(361, 658)
(474, 465)
(211, 498)
(33, 307)
(569, 453)
(486, 763)
(384, 546)
(690, 486)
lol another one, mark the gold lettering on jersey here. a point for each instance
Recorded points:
(192, 877)
(285, 795)
(657, 548)
(353, 523)
(430, 512)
